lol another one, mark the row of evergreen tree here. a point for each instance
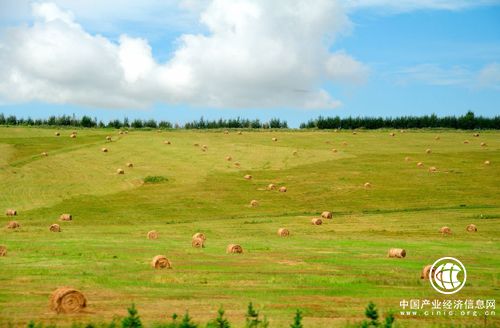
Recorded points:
(467, 122)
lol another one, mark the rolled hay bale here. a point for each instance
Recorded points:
(445, 231)
(402, 131)
(316, 221)
(10, 212)
(55, 228)
(199, 235)
(471, 228)
(121, 132)
(161, 262)
(396, 252)
(283, 232)
(407, 159)
(72, 136)
(354, 133)
(392, 134)
(229, 158)
(3, 250)
(196, 144)
(420, 164)
(240, 133)
(271, 186)
(153, 234)
(334, 150)
(254, 203)
(130, 165)
(275, 139)
(167, 142)
(437, 138)
(126, 132)
(67, 300)
(237, 164)
(428, 151)
(120, 171)
(475, 135)
(66, 217)
(248, 177)
(198, 243)
(295, 153)
(282, 189)
(466, 141)
(234, 249)
(226, 132)
(483, 144)
(44, 154)
(13, 225)
(426, 272)
(108, 138)
(433, 169)
(487, 162)
(205, 147)
(104, 150)
(57, 134)
(367, 185)
(326, 215)
(344, 143)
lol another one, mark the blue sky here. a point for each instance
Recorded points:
(367, 59)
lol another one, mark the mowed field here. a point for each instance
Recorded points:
(330, 271)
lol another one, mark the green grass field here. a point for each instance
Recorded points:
(330, 271)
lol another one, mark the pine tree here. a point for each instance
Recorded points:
(186, 322)
(297, 320)
(252, 317)
(133, 320)
(220, 321)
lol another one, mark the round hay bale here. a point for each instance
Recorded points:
(433, 169)
(437, 138)
(72, 136)
(396, 252)
(237, 164)
(199, 235)
(160, 262)
(55, 228)
(130, 165)
(326, 215)
(367, 185)
(283, 232)
(334, 150)
(167, 142)
(466, 141)
(10, 212)
(153, 234)
(426, 272)
(354, 133)
(295, 153)
(44, 154)
(487, 162)
(108, 138)
(204, 147)
(226, 132)
(476, 135)
(275, 139)
(126, 132)
(198, 243)
(344, 143)
(428, 151)
(254, 203)
(420, 164)
(402, 131)
(271, 186)
(57, 134)
(229, 158)
(196, 144)
(67, 300)
(248, 177)
(240, 133)
(407, 159)
(13, 225)
(104, 150)
(392, 134)
(234, 249)
(121, 132)
(282, 189)
(445, 231)
(3, 250)
(483, 144)
(120, 171)
(316, 221)
(471, 228)
(65, 217)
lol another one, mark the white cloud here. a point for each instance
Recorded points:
(489, 76)
(255, 54)
(397, 6)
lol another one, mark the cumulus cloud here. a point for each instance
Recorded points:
(255, 54)
(392, 6)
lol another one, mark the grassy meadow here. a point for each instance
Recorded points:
(330, 271)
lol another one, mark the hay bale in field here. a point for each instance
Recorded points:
(275, 139)
(326, 215)
(396, 252)
(72, 135)
(66, 217)
(121, 132)
(282, 189)
(487, 162)
(153, 234)
(229, 158)
(3, 250)
(57, 134)
(161, 262)
(120, 171)
(237, 164)
(10, 212)
(433, 169)
(344, 143)
(234, 249)
(334, 150)
(476, 135)
(466, 141)
(196, 144)
(483, 144)
(13, 225)
(354, 133)
(67, 300)
(271, 186)
(55, 228)
(226, 132)
(294, 153)
(367, 185)
(130, 165)
(204, 147)
(44, 154)
(437, 138)
(471, 228)
(199, 235)
(445, 231)
(392, 134)
(316, 221)
(247, 177)
(420, 164)
(426, 272)
(104, 150)
(254, 203)
(428, 151)
(198, 243)
(283, 232)
(240, 133)
(167, 142)
(108, 138)
(407, 159)
(402, 131)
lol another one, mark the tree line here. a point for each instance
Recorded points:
(466, 122)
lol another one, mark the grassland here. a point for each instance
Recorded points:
(330, 272)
